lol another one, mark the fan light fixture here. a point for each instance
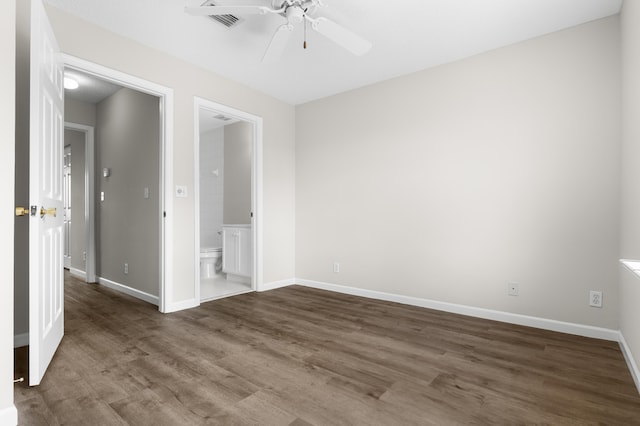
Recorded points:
(70, 83)
(294, 12)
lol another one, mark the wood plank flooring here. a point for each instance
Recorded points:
(300, 356)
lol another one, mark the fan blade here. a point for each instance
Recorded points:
(229, 10)
(341, 36)
(278, 43)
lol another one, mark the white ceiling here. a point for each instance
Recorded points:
(407, 36)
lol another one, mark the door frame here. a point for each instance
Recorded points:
(89, 200)
(66, 197)
(165, 95)
(256, 187)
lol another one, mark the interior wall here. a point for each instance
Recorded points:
(211, 187)
(8, 413)
(20, 267)
(79, 112)
(127, 222)
(630, 227)
(238, 140)
(80, 38)
(450, 183)
(76, 140)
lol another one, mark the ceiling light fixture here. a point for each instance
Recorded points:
(70, 83)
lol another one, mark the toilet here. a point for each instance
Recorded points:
(210, 262)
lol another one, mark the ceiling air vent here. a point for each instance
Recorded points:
(226, 20)
(221, 117)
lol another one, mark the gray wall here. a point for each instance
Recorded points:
(211, 187)
(127, 224)
(79, 112)
(21, 241)
(238, 139)
(448, 183)
(630, 229)
(7, 144)
(75, 139)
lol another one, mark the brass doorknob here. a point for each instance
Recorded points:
(22, 211)
(51, 212)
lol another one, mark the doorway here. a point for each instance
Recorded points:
(80, 250)
(136, 180)
(228, 191)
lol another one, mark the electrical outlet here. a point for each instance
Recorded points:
(126, 268)
(84, 255)
(336, 267)
(513, 289)
(595, 299)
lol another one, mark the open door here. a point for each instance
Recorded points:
(46, 281)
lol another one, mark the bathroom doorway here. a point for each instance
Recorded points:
(227, 149)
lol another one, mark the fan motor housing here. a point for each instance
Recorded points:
(294, 14)
(305, 6)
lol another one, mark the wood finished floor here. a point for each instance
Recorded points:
(299, 356)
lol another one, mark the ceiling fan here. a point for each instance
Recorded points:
(295, 12)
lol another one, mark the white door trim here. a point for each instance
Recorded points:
(256, 187)
(166, 163)
(66, 199)
(89, 194)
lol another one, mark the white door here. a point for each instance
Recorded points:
(46, 308)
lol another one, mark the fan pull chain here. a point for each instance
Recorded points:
(304, 45)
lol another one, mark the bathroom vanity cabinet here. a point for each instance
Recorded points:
(236, 252)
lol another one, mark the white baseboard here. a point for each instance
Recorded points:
(529, 321)
(78, 273)
(128, 290)
(179, 306)
(631, 363)
(276, 284)
(20, 340)
(9, 416)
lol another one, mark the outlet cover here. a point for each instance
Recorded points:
(595, 299)
(336, 267)
(513, 289)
